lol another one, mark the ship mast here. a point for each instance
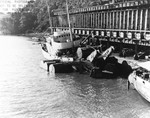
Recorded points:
(69, 21)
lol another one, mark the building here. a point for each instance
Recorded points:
(9, 6)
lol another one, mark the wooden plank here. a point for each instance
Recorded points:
(124, 14)
(104, 20)
(110, 20)
(97, 20)
(91, 19)
(85, 17)
(113, 21)
(146, 17)
(78, 21)
(148, 23)
(127, 23)
(100, 26)
(107, 20)
(141, 19)
(88, 20)
(101, 20)
(83, 20)
(117, 17)
(120, 20)
(132, 14)
(96, 23)
(136, 20)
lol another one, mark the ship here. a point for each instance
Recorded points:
(140, 79)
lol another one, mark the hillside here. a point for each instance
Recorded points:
(34, 16)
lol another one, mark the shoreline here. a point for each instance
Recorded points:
(130, 60)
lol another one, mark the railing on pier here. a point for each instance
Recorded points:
(128, 21)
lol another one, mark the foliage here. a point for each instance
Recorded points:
(34, 16)
(6, 25)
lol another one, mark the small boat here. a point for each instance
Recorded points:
(140, 79)
(59, 44)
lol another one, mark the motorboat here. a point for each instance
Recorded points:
(140, 79)
(59, 43)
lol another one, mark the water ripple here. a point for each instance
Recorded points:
(27, 91)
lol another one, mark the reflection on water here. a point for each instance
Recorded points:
(27, 91)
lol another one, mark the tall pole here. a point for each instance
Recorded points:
(49, 17)
(69, 21)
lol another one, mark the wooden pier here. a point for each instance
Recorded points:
(52, 66)
(124, 23)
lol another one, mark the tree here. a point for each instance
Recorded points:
(34, 16)
(7, 25)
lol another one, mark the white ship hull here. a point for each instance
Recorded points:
(141, 84)
(59, 43)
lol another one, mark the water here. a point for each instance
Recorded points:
(27, 91)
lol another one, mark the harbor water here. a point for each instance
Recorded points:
(27, 91)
